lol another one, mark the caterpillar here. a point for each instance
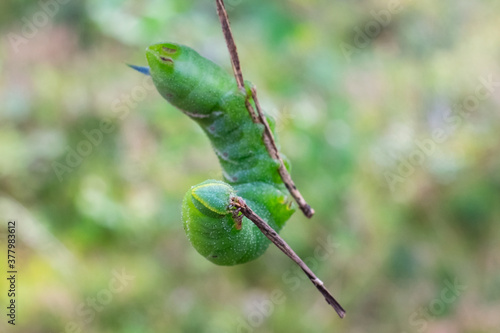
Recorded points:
(209, 95)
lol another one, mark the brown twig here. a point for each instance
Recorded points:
(231, 45)
(258, 117)
(273, 236)
(273, 151)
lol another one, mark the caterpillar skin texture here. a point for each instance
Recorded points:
(210, 96)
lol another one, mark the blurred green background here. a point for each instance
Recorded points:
(384, 110)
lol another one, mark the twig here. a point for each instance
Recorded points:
(273, 151)
(273, 236)
(258, 117)
(231, 45)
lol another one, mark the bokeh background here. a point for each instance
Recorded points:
(388, 111)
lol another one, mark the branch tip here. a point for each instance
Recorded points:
(239, 204)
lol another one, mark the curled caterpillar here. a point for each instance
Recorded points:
(209, 95)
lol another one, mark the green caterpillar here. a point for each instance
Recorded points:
(209, 95)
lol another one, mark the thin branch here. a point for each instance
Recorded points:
(231, 45)
(273, 236)
(258, 117)
(273, 151)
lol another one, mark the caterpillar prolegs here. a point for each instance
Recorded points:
(209, 95)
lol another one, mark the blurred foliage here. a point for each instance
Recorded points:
(347, 120)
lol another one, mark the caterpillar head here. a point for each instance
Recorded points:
(209, 223)
(213, 195)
